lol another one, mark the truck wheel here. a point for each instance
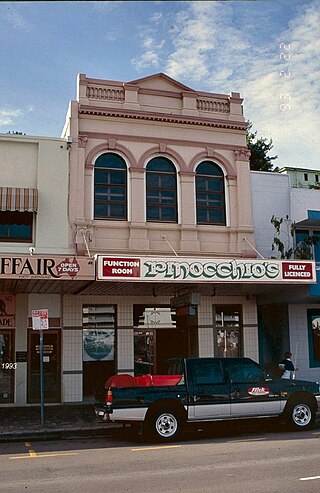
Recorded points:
(164, 424)
(301, 415)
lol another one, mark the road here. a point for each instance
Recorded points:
(249, 460)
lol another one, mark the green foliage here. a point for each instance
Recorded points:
(302, 251)
(259, 148)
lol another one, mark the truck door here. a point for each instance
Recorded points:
(210, 392)
(250, 393)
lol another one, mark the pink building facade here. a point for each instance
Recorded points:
(159, 175)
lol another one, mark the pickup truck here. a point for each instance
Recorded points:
(207, 389)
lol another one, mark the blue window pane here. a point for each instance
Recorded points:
(110, 160)
(153, 180)
(117, 178)
(4, 230)
(209, 168)
(100, 210)
(168, 213)
(153, 213)
(20, 231)
(168, 181)
(101, 176)
(117, 210)
(160, 164)
(215, 185)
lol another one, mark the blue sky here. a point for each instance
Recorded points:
(218, 46)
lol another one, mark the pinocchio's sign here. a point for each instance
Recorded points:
(179, 269)
(47, 268)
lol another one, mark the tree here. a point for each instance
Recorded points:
(287, 249)
(259, 148)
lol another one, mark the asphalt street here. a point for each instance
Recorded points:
(257, 460)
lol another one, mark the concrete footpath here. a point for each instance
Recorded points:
(60, 422)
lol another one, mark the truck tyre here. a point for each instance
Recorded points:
(301, 415)
(164, 424)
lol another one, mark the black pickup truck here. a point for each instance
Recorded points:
(207, 389)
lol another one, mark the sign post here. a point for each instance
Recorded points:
(40, 322)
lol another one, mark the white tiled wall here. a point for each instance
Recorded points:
(205, 333)
(299, 347)
(72, 338)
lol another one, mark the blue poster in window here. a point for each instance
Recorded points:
(98, 344)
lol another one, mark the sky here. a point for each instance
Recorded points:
(268, 50)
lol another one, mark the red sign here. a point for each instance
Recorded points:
(297, 270)
(40, 319)
(121, 267)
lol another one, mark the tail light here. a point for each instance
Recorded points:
(109, 397)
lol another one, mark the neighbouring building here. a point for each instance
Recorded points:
(37, 265)
(302, 177)
(289, 320)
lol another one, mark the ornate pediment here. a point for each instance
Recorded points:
(160, 82)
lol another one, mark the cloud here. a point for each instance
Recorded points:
(150, 58)
(9, 116)
(205, 42)
(282, 93)
(11, 15)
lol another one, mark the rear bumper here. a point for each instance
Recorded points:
(101, 413)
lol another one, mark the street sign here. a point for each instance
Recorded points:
(40, 320)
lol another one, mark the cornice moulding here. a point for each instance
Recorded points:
(160, 117)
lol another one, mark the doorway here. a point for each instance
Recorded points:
(162, 333)
(51, 366)
(7, 366)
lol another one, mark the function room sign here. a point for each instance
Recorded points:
(47, 268)
(205, 270)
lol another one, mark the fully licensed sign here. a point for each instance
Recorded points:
(205, 269)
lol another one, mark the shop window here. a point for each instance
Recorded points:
(16, 226)
(210, 194)
(227, 330)
(161, 191)
(314, 337)
(307, 244)
(99, 324)
(110, 187)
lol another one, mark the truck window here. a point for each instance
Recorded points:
(243, 371)
(207, 372)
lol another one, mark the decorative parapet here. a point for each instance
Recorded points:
(104, 93)
(213, 105)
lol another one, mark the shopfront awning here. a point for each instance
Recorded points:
(18, 199)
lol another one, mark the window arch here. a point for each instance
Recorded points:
(161, 190)
(110, 187)
(210, 194)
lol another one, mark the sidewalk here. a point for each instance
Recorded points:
(24, 423)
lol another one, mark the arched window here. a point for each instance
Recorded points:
(110, 187)
(210, 194)
(161, 193)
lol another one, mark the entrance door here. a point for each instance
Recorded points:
(51, 366)
(161, 334)
(7, 366)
